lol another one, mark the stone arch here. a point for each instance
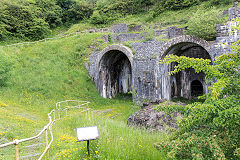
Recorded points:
(115, 70)
(126, 50)
(183, 46)
(182, 41)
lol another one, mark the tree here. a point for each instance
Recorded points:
(23, 21)
(209, 130)
(51, 12)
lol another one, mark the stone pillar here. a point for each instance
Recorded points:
(236, 3)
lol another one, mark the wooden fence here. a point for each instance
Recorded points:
(61, 111)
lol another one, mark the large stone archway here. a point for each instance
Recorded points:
(182, 41)
(115, 71)
(179, 85)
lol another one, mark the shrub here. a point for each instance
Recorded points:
(103, 18)
(203, 24)
(124, 6)
(22, 21)
(109, 10)
(65, 4)
(78, 11)
(220, 2)
(51, 12)
(96, 18)
(164, 5)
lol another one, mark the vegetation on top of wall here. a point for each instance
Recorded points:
(203, 24)
(42, 16)
(163, 5)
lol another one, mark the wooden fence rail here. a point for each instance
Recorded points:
(62, 106)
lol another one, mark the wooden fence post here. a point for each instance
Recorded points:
(16, 150)
(54, 115)
(59, 117)
(46, 133)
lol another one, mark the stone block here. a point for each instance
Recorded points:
(119, 28)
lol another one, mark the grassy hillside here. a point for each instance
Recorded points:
(47, 72)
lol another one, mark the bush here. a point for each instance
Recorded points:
(5, 67)
(51, 12)
(97, 18)
(108, 11)
(203, 24)
(124, 7)
(22, 21)
(103, 18)
(164, 5)
(78, 11)
(220, 2)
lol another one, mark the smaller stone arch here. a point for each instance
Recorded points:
(115, 70)
(126, 50)
(196, 88)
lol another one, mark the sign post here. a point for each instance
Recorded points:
(87, 134)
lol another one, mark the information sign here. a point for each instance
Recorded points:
(87, 133)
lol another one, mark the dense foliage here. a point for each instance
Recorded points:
(209, 130)
(33, 20)
(21, 21)
(163, 5)
(109, 10)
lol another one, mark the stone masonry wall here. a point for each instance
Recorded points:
(150, 79)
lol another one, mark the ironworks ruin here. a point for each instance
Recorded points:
(131, 62)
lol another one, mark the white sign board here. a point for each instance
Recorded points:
(87, 133)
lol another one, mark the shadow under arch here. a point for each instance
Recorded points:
(179, 85)
(115, 71)
(196, 88)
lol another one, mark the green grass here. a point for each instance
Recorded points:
(47, 72)
(171, 18)
(117, 140)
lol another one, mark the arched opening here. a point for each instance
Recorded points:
(115, 74)
(183, 79)
(196, 89)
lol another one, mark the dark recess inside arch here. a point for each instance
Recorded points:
(115, 74)
(196, 88)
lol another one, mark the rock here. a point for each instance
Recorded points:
(149, 118)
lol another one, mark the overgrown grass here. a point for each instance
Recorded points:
(117, 140)
(47, 72)
(181, 17)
